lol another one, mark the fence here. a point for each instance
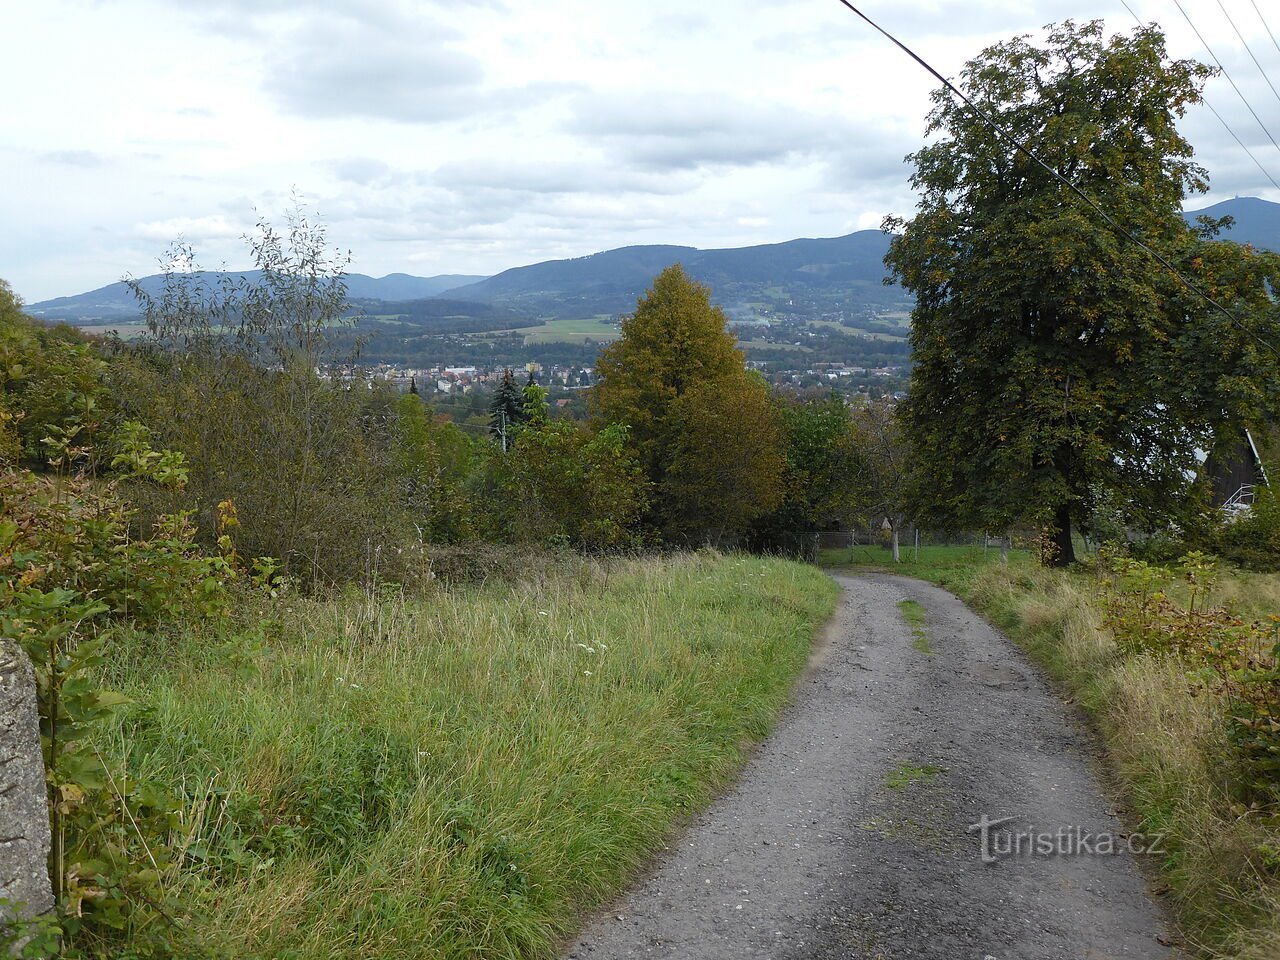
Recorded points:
(810, 545)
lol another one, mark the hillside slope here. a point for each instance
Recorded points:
(116, 301)
(1256, 221)
(843, 272)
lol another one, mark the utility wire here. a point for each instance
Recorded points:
(1274, 41)
(1021, 148)
(1221, 119)
(1249, 50)
(1226, 73)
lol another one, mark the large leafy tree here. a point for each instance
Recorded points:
(1055, 360)
(701, 427)
(825, 482)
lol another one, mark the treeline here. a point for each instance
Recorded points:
(337, 480)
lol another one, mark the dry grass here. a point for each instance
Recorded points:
(1167, 745)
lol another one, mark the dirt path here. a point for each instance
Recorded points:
(848, 834)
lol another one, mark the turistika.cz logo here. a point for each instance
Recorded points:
(998, 841)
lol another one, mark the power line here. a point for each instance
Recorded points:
(1221, 119)
(1274, 41)
(1249, 50)
(1227, 74)
(1026, 152)
(1255, 160)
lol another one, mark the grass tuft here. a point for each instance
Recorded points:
(913, 613)
(906, 774)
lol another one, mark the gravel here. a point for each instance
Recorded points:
(848, 833)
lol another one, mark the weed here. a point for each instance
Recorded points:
(907, 774)
(913, 613)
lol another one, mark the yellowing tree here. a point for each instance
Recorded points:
(727, 459)
(704, 431)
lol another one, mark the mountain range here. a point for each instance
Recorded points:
(815, 277)
(116, 301)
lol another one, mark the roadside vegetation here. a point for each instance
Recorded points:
(1176, 665)
(322, 675)
(319, 675)
(459, 774)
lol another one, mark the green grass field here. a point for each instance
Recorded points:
(941, 564)
(462, 774)
(600, 329)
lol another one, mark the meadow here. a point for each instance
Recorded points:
(457, 774)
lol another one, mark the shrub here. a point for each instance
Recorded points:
(72, 577)
(1238, 660)
(1253, 540)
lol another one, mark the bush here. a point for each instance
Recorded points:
(1253, 540)
(1238, 660)
(72, 577)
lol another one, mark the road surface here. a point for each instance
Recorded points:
(849, 834)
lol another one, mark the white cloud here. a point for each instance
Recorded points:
(472, 135)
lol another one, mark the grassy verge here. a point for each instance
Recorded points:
(1168, 747)
(464, 774)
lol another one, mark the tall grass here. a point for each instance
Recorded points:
(1167, 746)
(461, 774)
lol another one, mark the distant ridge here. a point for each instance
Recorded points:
(835, 276)
(845, 272)
(116, 301)
(1257, 220)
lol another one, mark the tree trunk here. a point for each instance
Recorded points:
(897, 556)
(1065, 555)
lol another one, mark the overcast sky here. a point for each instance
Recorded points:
(468, 136)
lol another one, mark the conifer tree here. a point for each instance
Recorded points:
(506, 410)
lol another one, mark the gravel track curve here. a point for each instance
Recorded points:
(848, 833)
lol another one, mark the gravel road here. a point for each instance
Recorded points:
(848, 833)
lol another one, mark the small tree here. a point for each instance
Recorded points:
(885, 455)
(675, 340)
(702, 428)
(244, 375)
(506, 409)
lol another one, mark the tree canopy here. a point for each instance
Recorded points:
(703, 429)
(1055, 360)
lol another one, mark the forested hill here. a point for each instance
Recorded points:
(844, 272)
(1256, 221)
(116, 301)
(812, 278)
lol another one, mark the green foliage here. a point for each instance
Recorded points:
(824, 480)
(53, 406)
(243, 378)
(1253, 539)
(703, 430)
(561, 483)
(432, 465)
(1053, 360)
(73, 578)
(1239, 660)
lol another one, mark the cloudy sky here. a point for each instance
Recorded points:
(442, 136)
